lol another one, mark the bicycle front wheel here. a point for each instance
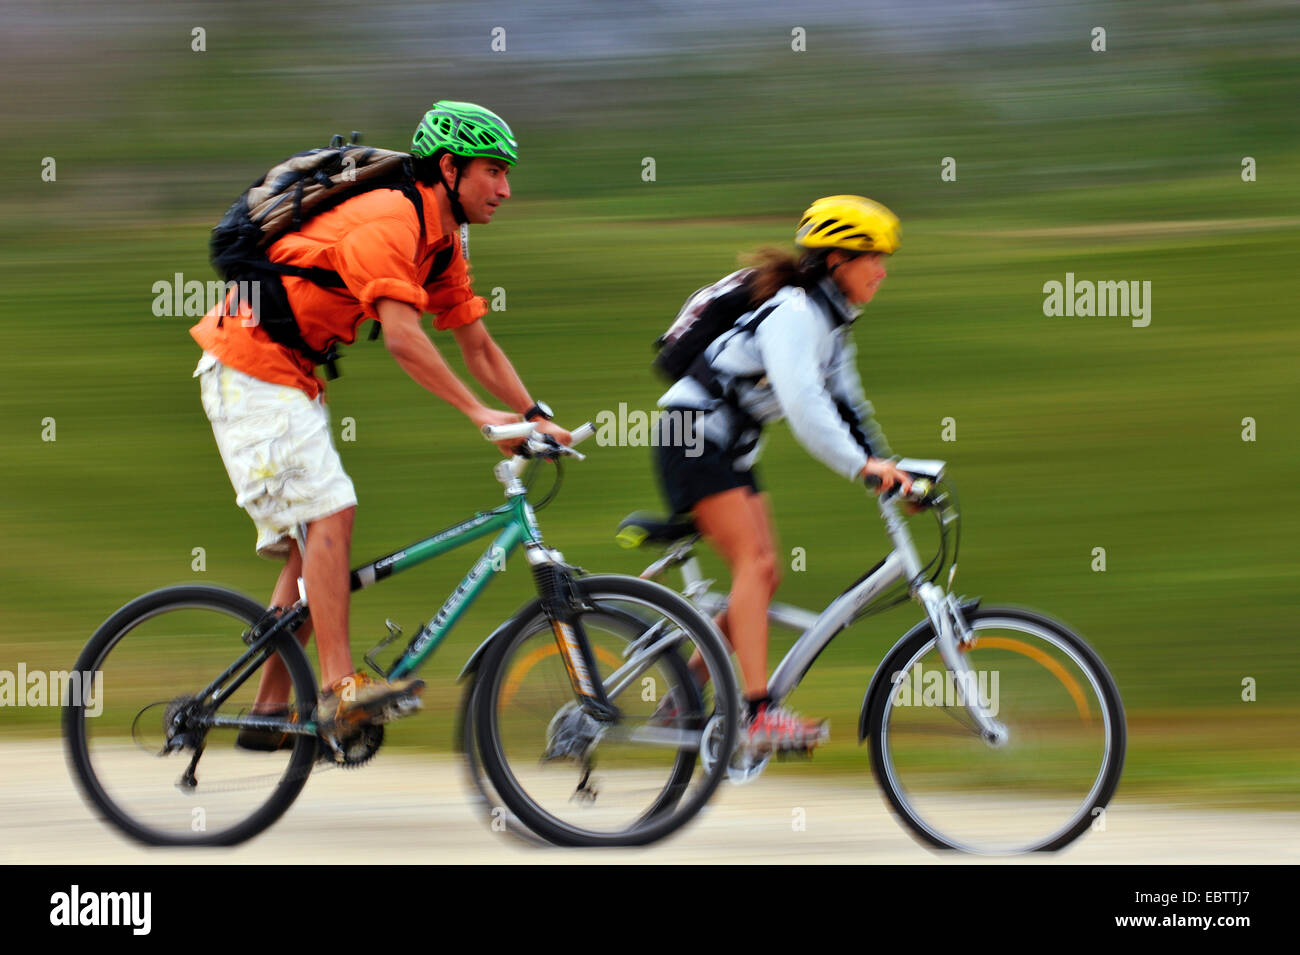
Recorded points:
(577, 781)
(485, 797)
(1038, 788)
(151, 660)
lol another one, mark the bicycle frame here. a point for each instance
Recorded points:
(818, 630)
(514, 524)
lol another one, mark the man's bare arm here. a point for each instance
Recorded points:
(489, 364)
(419, 358)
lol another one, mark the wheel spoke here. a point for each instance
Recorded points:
(1038, 788)
(136, 760)
(580, 781)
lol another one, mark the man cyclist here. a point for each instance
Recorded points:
(267, 408)
(796, 363)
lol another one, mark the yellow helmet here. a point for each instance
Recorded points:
(854, 223)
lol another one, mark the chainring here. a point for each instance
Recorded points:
(356, 750)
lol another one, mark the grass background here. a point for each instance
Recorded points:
(1072, 433)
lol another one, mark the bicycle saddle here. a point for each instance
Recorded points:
(642, 527)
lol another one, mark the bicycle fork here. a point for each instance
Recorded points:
(561, 602)
(952, 636)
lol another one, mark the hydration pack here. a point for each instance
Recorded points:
(284, 199)
(709, 313)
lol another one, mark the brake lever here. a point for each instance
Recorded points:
(550, 446)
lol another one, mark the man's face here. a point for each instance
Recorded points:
(483, 187)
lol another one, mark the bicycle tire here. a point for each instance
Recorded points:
(485, 795)
(883, 701)
(488, 801)
(242, 612)
(672, 807)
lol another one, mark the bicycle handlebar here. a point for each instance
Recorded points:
(536, 444)
(925, 474)
(504, 432)
(921, 487)
(528, 429)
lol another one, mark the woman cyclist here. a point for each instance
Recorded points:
(789, 356)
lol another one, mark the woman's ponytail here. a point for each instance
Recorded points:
(776, 268)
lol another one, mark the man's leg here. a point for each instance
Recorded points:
(326, 576)
(273, 691)
(326, 570)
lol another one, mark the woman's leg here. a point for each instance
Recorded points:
(737, 523)
(761, 507)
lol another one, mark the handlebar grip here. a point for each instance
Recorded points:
(505, 432)
(921, 488)
(526, 430)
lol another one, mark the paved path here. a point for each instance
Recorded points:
(414, 809)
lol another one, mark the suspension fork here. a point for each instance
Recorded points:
(562, 603)
(952, 636)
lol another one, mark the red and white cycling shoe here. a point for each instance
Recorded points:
(775, 728)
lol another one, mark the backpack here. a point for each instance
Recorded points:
(710, 312)
(282, 201)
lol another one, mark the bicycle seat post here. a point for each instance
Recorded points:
(695, 583)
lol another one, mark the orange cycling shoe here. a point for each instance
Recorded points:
(360, 699)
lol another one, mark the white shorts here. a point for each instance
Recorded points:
(276, 445)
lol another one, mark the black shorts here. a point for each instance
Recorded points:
(687, 479)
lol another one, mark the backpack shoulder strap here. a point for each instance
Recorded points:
(439, 265)
(412, 192)
(702, 369)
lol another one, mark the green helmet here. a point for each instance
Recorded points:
(464, 129)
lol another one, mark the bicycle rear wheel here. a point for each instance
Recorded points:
(148, 661)
(579, 782)
(1041, 788)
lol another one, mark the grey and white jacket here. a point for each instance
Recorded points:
(799, 363)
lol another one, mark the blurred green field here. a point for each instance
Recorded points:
(1071, 433)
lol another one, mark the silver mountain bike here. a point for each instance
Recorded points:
(991, 730)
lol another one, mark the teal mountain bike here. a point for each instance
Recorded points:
(566, 701)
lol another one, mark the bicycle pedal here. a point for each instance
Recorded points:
(785, 754)
(402, 706)
(178, 743)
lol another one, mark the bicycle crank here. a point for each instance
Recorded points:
(354, 750)
(744, 765)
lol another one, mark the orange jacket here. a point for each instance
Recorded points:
(373, 242)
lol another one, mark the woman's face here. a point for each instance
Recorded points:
(859, 277)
